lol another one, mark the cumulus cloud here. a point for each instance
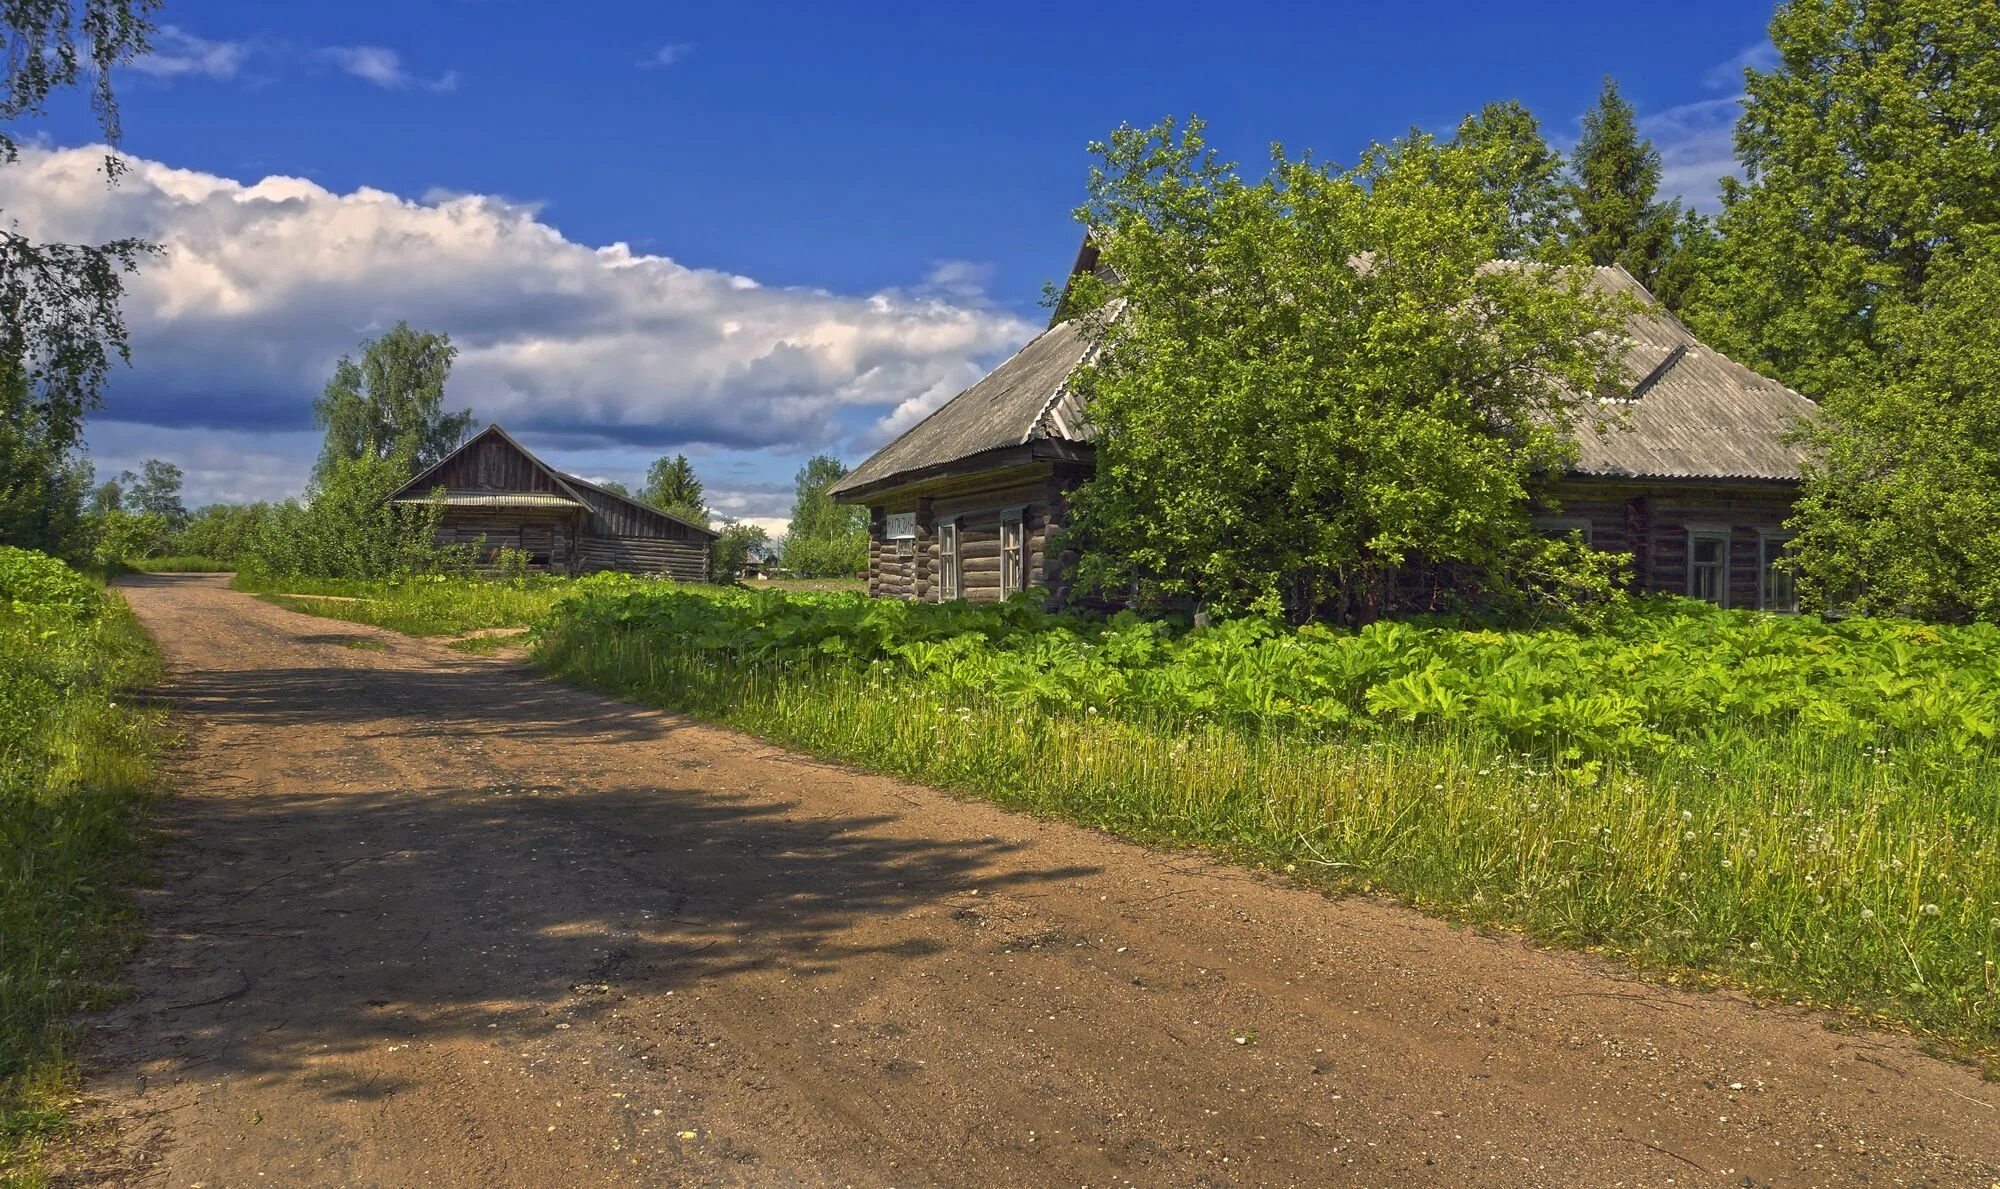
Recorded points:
(180, 54)
(384, 67)
(261, 286)
(1697, 144)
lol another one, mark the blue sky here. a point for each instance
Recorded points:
(833, 215)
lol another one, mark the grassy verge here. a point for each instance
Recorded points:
(181, 565)
(76, 758)
(1821, 891)
(417, 606)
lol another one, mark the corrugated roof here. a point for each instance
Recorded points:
(1690, 412)
(505, 499)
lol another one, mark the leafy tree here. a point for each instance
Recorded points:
(60, 326)
(1317, 381)
(156, 490)
(825, 539)
(345, 527)
(732, 549)
(1857, 264)
(615, 485)
(1616, 180)
(1524, 174)
(390, 405)
(127, 536)
(224, 532)
(107, 496)
(671, 485)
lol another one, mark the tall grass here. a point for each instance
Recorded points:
(1865, 884)
(181, 565)
(76, 757)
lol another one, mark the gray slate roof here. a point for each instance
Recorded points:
(1691, 412)
(1004, 409)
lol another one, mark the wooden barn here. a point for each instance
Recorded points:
(494, 491)
(1693, 474)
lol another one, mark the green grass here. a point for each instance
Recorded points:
(76, 760)
(181, 565)
(418, 606)
(810, 585)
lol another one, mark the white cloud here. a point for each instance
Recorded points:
(1728, 75)
(262, 286)
(384, 67)
(180, 54)
(1697, 144)
(667, 55)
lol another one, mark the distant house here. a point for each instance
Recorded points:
(1694, 476)
(493, 491)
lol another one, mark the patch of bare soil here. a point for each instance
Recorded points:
(427, 919)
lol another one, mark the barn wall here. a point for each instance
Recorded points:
(908, 569)
(547, 534)
(493, 465)
(683, 560)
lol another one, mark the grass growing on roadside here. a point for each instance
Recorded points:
(76, 758)
(181, 565)
(1863, 874)
(420, 606)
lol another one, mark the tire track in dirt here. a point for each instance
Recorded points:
(426, 918)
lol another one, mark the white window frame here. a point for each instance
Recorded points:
(1771, 544)
(1013, 552)
(1710, 532)
(949, 573)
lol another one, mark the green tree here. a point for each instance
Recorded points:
(615, 485)
(1317, 380)
(1517, 166)
(1615, 184)
(346, 527)
(156, 489)
(1857, 264)
(825, 539)
(60, 325)
(732, 549)
(390, 405)
(223, 532)
(671, 485)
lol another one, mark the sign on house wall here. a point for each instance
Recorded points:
(899, 526)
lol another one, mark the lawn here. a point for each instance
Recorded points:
(76, 759)
(1801, 807)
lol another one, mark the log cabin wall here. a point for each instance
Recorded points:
(907, 568)
(683, 561)
(1652, 521)
(548, 536)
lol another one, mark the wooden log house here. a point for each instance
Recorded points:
(494, 492)
(1692, 474)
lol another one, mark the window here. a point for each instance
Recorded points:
(947, 578)
(1708, 565)
(1013, 570)
(1777, 589)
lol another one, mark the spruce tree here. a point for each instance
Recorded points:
(1615, 176)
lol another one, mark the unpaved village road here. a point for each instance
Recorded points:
(426, 919)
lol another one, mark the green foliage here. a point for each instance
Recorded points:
(223, 532)
(420, 604)
(347, 528)
(671, 485)
(1337, 382)
(74, 759)
(825, 539)
(1617, 180)
(390, 406)
(126, 537)
(1858, 264)
(1517, 166)
(1804, 806)
(732, 549)
(156, 491)
(43, 480)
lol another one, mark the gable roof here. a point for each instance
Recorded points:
(1006, 408)
(562, 490)
(1690, 411)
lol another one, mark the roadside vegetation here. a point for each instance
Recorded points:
(76, 758)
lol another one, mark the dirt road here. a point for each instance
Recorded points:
(427, 919)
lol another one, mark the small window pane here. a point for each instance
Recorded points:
(1708, 567)
(1012, 573)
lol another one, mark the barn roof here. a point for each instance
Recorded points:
(569, 491)
(1690, 411)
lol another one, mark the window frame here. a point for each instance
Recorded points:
(1013, 552)
(1771, 544)
(950, 575)
(1721, 533)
